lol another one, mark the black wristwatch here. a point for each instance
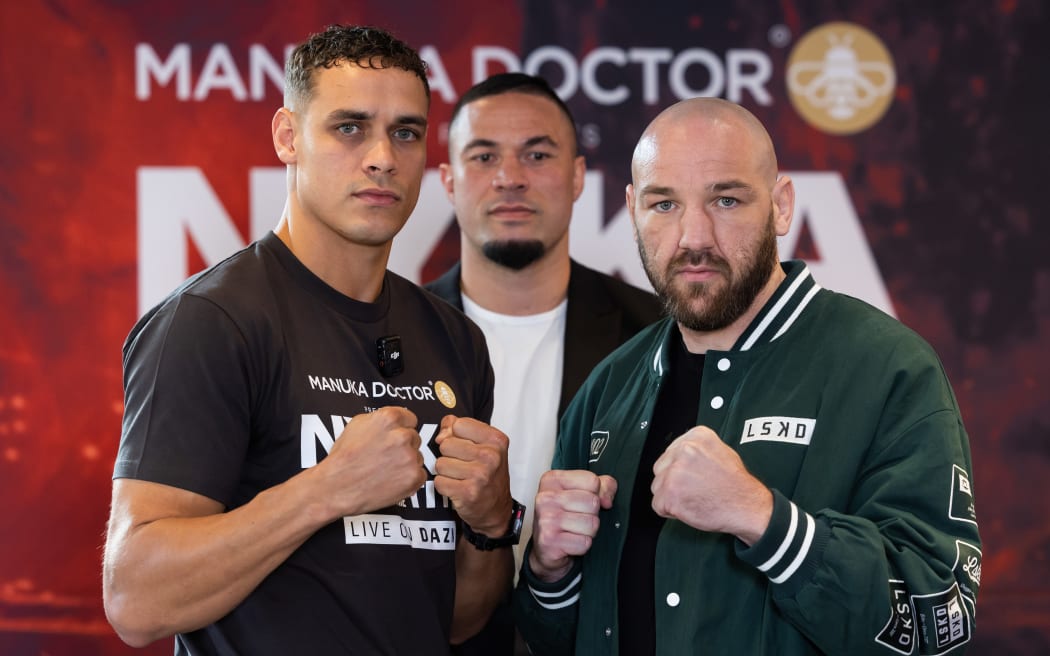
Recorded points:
(485, 543)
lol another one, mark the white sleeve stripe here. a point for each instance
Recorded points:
(568, 602)
(811, 528)
(769, 564)
(568, 588)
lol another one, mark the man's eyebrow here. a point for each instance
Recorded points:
(362, 115)
(542, 139)
(350, 115)
(716, 187)
(529, 143)
(650, 190)
(479, 143)
(731, 184)
(412, 119)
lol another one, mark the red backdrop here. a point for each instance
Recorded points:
(102, 146)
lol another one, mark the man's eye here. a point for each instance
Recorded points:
(349, 128)
(484, 158)
(536, 156)
(664, 206)
(406, 134)
(727, 202)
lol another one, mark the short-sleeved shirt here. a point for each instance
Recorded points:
(244, 377)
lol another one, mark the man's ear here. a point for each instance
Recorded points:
(283, 129)
(447, 182)
(783, 205)
(579, 173)
(629, 199)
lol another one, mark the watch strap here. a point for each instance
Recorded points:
(509, 539)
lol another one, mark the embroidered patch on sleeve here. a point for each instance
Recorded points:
(968, 573)
(943, 621)
(960, 504)
(899, 632)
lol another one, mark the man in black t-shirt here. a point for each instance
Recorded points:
(304, 438)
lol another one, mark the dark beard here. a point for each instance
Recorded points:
(721, 308)
(514, 255)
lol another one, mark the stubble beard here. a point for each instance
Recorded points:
(710, 306)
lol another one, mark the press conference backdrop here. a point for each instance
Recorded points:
(136, 151)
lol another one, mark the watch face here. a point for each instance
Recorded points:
(517, 519)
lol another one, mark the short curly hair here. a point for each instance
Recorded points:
(369, 47)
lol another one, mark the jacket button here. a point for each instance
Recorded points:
(717, 402)
(608, 632)
(673, 599)
(643, 425)
(723, 364)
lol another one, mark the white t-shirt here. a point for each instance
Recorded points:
(526, 354)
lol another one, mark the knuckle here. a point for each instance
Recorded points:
(489, 457)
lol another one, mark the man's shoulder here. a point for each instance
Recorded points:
(638, 355)
(446, 286)
(600, 288)
(236, 281)
(427, 301)
(634, 362)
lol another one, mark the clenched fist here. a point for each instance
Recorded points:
(374, 463)
(472, 473)
(702, 482)
(566, 519)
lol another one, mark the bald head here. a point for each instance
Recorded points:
(707, 206)
(697, 122)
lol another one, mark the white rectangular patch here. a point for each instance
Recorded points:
(789, 430)
(436, 535)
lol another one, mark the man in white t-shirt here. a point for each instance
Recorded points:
(513, 175)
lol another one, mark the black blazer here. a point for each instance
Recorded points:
(603, 313)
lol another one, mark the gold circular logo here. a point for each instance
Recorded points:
(445, 394)
(840, 78)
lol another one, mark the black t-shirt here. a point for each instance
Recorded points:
(675, 413)
(243, 378)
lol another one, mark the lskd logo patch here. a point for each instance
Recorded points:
(944, 622)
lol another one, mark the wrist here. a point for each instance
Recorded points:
(549, 573)
(756, 520)
(495, 524)
(506, 535)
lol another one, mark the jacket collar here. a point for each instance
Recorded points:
(777, 316)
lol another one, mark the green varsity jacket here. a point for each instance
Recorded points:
(848, 416)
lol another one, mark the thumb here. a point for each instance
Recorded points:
(445, 429)
(606, 490)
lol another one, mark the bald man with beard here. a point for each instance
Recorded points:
(773, 469)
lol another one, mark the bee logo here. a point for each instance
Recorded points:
(841, 78)
(445, 394)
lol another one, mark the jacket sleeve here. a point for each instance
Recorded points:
(898, 572)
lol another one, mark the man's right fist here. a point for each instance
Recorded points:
(375, 462)
(566, 521)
